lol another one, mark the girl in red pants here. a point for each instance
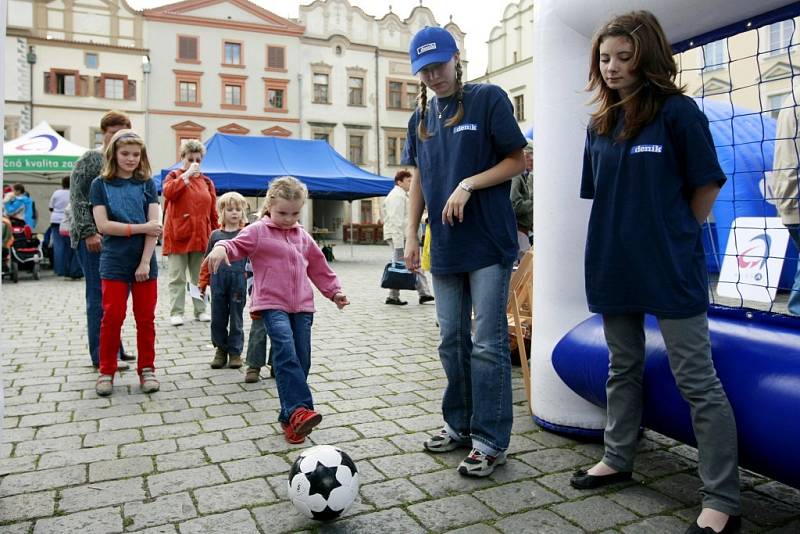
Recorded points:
(125, 208)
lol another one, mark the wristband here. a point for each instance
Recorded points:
(463, 184)
(129, 230)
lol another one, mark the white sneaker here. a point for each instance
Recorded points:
(204, 318)
(176, 320)
(122, 365)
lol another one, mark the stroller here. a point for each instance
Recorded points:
(25, 252)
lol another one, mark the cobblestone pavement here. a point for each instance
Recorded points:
(205, 454)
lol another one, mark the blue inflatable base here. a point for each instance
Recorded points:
(757, 358)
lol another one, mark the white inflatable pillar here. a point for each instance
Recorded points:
(562, 37)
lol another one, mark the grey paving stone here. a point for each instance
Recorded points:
(399, 412)
(123, 468)
(594, 513)
(237, 521)
(180, 460)
(171, 431)
(167, 509)
(332, 436)
(255, 467)
(232, 451)
(16, 528)
(17, 465)
(282, 517)
(41, 446)
(14, 435)
(516, 497)
(113, 437)
(149, 448)
(402, 465)
(175, 481)
(67, 429)
(200, 441)
(234, 495)
(378, 429)
(513, 470)
(642, 500)
(766, 511)
(421, 423)
(657, 525)
(101, 494)
(451, 512)
(121, 411)
(479, 528)
(348, 419)
(162, 529)
(183, 416)
(392, 493)
(42, 480)
(393, 520)
(249, 432)
(780, 492)
(660, 463)
(536, 522)
(228, 409)
(222, 423)
(368, 448)
(130, 421)
(27, 506)
(98, 521)
(553, 460)
(80, 456)
(449, 481)
(682, 487)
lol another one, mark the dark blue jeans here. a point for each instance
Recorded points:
(65, 261)
(290, 335)
(228, 296)
(90, 263)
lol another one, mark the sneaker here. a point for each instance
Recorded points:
(426, 298)
(395, 301)
(204, 318)
(443, 442)
(290, 435)
(104, 385)
(148, 380)
(302, 421)
(478, 464)
(252, 375)
(235, 362)
(220, 359)
(127, 357)
(122, 365)
(176, 320)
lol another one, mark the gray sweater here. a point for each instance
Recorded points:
(86, 169)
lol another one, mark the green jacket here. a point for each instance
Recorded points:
(522, 200)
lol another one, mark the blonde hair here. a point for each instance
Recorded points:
(110, 167)
(191, 146)
(286, 188)
(422, 128)
(231, 198)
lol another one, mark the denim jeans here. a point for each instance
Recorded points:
(257, 346)
(228, 296)
(794, 296)
(90, 263)
(290, 335)
(477, 399)
(65, 262)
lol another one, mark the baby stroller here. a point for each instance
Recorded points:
(25, 252)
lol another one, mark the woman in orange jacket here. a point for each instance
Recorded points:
(190, 215)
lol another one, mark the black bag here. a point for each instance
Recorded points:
(396, 276)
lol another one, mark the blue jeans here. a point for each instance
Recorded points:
(228, 295)
(65, 261)
(90, 263)
(290, 335)
(477, 399)
(794, 296)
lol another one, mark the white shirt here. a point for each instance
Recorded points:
(58, 202)
(395, 211)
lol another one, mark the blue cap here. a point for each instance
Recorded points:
(431, 45)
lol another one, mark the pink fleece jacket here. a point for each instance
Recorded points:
(284, 261)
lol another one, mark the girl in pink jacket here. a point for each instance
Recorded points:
(285, 260)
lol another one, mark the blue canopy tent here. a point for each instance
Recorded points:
(247, 164)
(744, 141)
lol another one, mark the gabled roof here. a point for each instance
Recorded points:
(242, 15)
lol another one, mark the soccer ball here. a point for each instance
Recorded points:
(323, 482)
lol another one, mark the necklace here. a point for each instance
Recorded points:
(441, 111)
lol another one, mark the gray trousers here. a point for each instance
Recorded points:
(689, 353)
(423, 288)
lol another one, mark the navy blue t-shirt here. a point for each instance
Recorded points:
(644, 249)
(486, 135)
(126, 201)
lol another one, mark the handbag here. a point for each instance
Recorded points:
(396, 276)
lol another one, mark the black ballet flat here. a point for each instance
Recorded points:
(583, 480)
(733, 526)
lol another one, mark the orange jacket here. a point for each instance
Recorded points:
(204, 277)
(190, 213)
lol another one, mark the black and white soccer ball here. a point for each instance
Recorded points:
(323, 482)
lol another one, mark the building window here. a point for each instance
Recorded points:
(95, 137)
(187, 88)
(232, 53)
(187, 92)
(275, 98)
(114, 88)
(275, 91)
(780, 36)
(11, 127)
(276, 58)
(775, 103)
(366, 211)
(233, 92)
(187, 49)
(519, 107)
(91, 60)
(355, 91)
(355, 149)
(60, 83)
(401, 94)
(395, 141)
(321, 88)
(233, 95)
(714, 55)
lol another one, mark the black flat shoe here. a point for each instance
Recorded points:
(395, 301)
(127, 357)
(733, 526)
(583, 480)
(425, 298)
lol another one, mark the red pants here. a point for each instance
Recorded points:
(115, 305)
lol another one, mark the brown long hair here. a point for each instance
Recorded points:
(422, 129)
(110, 167)
(654, 63)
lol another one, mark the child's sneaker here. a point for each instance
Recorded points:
(235, 362)
(148, 380)
(252, 375)
(220, 359)
(291, 436)
(444, 442)
(104, 385)
(478, 464)
(302, 421)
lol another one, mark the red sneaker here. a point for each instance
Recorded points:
(303, 420)
(290, 436)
